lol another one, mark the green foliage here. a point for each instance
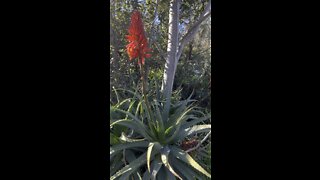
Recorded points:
(146, 145)
(155, 141)
(194, 67)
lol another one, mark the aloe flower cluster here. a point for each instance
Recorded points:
(138, 44)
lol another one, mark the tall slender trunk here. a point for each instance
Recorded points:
(169, 71)
(174, 49)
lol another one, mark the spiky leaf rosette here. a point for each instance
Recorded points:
(155, 143)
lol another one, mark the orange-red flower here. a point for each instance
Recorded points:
(138, 44)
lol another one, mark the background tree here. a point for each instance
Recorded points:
(191, 65)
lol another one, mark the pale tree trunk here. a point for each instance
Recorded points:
(169, 71)
(175, 48)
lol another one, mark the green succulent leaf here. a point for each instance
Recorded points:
(114, 149)
(146, 175)
(159, 118)
(151, 144)
(165, 160)
(175, 133)
(154, 147)
(138, 108)
(186, 170)
(195, 121)
(168, 130)
(130, 157)
(138, 176)
(169, 175)
(139, 121)
(179, 115)
(183, 116)
(193, 130)
(162, 173)
(126, 171)
(185, 157)
(131, 106)
(129, 114)
(136, 94)
(122, 103)
(116, 164)
(138, 127)
(178, 125)
(155, 166)
(124, 138)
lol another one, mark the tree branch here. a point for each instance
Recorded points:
(193, 29)
(152, 25)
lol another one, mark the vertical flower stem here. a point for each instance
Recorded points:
(142, 72)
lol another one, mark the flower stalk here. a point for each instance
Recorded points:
(138, 48)
(144, 90)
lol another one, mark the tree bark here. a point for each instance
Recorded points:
(169, 71)
(174, 48)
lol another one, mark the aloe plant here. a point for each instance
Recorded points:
(152, 149)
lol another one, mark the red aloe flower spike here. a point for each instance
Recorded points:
(138, 44)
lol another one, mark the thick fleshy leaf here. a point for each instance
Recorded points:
(159, 116)
(123, 137)
(138, 176)
(118, 105)
(130, 157)
(193, 130)
(183, 116)
(169, 175)
(115, 148)
(141, 129)
(146, 176)
(178, 125)
(155, 167)
(168, 131)
(138, 108)
(135, 94)
(162, 173)
(165, 160)
(195, 120)
(184, 169)
(115, 164)
(175, 133)
(178, 113)
(151, 144)
(131, 115)
(132, 103)
(185, 157)
(130, 168)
